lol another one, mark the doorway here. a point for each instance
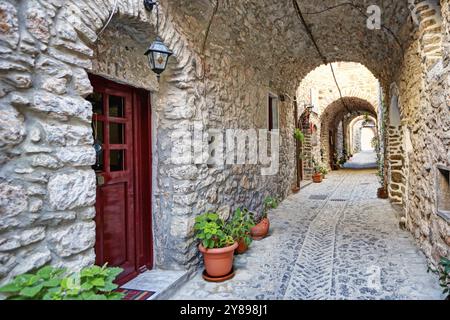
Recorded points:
(122, 133)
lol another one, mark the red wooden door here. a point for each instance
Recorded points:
(122, 219)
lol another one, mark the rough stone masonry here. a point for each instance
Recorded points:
(253, 49)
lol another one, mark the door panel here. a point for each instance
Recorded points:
(115, 233)
(119, 212)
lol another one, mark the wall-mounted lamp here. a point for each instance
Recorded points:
(158, 54)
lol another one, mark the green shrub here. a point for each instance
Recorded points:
(212, 231)
(269, 203)
(48, 283)
(240, 225)
(444, 275)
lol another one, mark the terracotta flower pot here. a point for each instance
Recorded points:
(261, 230)
(242, 247)
(317, 178)
(218, 262)
(382, 193)
(295, 189)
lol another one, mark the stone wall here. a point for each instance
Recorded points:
(47, 186)
(424, 126)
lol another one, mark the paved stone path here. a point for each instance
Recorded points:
(333, 240)
(362, 160)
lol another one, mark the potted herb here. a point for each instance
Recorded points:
(382, 192)
(217, 244)
(317, 175)
(261, 230)
(324, 171)
(239, 228)
(49, 283)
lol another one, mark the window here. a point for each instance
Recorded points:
(273, 113)
(443, 194)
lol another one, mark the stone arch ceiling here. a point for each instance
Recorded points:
(269, 34)
(354, 79)
(336, 111)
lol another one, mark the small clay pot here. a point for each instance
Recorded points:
(295, 189)
(218, 262)
(317, 178)
(382, 193)
(261, 230)
(242, 247)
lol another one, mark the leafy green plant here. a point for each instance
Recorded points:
(298, 135)
(212, 231)
(323, 170)
(443, 271)
(240, 224)
(269, 203)
(49, 283)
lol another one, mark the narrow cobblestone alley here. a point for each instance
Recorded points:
(333, 240)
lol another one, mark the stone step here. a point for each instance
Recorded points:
(163, 282)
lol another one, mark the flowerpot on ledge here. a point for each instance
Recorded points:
(218, 262)
(317, 178)
(261, 230)
(295, 189)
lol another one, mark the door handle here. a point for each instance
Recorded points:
(100, 180)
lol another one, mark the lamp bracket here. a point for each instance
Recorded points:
(150, 4)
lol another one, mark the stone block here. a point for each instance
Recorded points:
(67, 241)
(12, 128)
(38, 24)
(34, 260)
(55, 218)
(9, 24)
(13, 200)
(86, 214)
(62, 108)
(22, 238)
(77, 156)
(45, 161)
(72, 190)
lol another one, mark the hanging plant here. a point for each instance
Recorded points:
(299, 136)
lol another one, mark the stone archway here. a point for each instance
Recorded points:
(332, 125)
(59, 44)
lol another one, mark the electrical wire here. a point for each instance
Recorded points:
(364, 15)
(205, 39)
(322, 57)
(110, 18)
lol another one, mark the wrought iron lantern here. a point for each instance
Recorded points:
(158, 54)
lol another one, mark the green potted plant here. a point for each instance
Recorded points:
(261, 230)
(217, 244)
(317, 174)
(239, 228)
(324, 171)
(299, 136)
(49, 283)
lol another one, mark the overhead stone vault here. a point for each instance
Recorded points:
(230, 58)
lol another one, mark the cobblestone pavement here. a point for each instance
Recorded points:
(362, 160)
(333, 240)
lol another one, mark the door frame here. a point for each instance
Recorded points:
(142, 174)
